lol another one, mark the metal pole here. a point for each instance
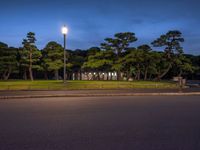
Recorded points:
(64, 71)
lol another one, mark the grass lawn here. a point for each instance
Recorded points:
(73, 85)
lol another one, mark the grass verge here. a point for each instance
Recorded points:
(78, 85)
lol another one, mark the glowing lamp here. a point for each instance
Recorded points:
(64, 30)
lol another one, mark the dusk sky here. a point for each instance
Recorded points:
(91, 21)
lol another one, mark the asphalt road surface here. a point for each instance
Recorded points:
(104, 123)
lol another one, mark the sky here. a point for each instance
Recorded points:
(91, 21)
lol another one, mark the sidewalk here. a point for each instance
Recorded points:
(89, 93)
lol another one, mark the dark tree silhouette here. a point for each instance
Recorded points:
(172, 47)
(119, 44)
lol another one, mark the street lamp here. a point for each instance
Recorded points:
(64, 32)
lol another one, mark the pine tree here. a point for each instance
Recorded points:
(30, 55)
(53, 58)
(8, 60)
(118, 45)
(171, 41)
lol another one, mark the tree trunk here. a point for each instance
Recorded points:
(118, 75)
(25, 75)
(76, 75)
(139, 73)
(30, 73)
(98, 76)
(150, 76)
(145, 74)
(56, 75)
(136, 76)
(87, 75)
(4, 74)
(80, 75)
(180, 74)
(111, 76)
(67, 76)
(46, 76)
(30, 66)
(164, 73)
(73, 76)
(128, 75)
(8, 73)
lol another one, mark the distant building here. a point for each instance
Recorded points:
(95, 76)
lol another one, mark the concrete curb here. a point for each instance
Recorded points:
(102, 95)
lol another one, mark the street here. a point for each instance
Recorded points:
(101, 123)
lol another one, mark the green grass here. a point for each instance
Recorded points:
(74, 85)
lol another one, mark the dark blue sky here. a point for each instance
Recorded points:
(90, 21)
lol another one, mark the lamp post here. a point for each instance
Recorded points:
(64, 32)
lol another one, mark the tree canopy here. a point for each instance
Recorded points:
(115, 54)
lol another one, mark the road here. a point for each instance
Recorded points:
(75, 92)
(101, 123)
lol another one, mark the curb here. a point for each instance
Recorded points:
(103, 95)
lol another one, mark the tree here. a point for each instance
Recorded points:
(119, 44)
(100, 62)
(29, 55)
(157, 65)
(131, 63)
(147, 59)
(53, 58)
(76, 60)
(183, 65)
(195, 60)
(142, 62)
(171, 41)
(93, 51)
(137, 62)
(8, 60)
